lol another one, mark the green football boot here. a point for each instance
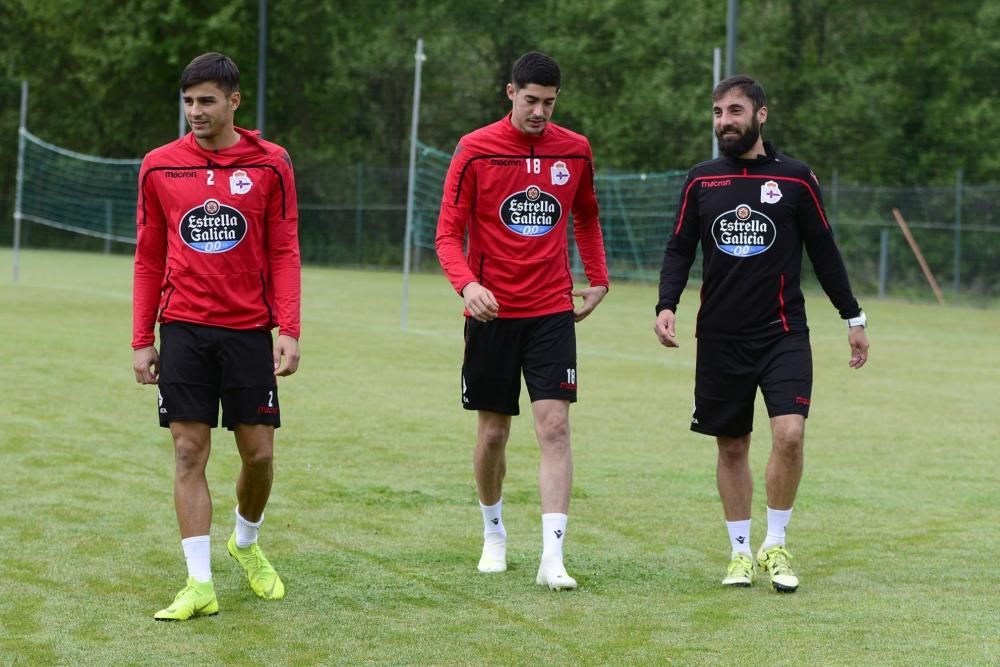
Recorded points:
(741, 571)
(264, 581)
(195, 599)
(774, 561)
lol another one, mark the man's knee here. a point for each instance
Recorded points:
(733, 450)
(553, 432)
(190, 452)
(788, 435)
(552, 429)
(552, 422)
(494, 430)
(256, 445)
(259, 458)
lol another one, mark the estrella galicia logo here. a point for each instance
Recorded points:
(531, 212)
(213, 227)
(743, 232)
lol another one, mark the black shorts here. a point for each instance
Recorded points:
(497, 352)
(729, 372)
(201, 365)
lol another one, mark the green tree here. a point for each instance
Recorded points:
(897, 92)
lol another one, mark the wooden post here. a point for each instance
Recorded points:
(920, 257)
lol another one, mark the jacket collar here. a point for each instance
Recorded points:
(517, 135)
(770, 155)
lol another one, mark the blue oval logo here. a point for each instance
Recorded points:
(531, 212)
(743, 232)
(213, 227)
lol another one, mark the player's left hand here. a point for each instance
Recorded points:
(591, 297)
(858, 341)
(286, 356)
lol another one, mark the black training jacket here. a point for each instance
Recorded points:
(753, 218)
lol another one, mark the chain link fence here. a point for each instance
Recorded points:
(354, 215)
(956, 227)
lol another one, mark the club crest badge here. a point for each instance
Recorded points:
(770, 193)
(240, 183)
(560, 174)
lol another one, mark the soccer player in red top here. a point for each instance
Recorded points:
(512, 186)
(217, 263)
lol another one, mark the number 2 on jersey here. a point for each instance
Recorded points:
(211, 177)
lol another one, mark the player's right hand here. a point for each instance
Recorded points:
(480, 302)
(664, 328)
(286, 355)
(146, 364)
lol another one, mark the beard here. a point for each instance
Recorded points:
(740, 145)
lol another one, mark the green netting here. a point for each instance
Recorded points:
(432, 166)
(79, 193)
(637, 212)
(361, 221)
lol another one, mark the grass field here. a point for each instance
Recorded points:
(373, 521)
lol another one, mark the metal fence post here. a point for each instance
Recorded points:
(19, 192)
(108, 226)
(359, 211)
(883, 262)
(956, 276)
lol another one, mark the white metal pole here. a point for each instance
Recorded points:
(732, 21)
(21, 129)
(181, 121)
(716, 77)
(408, 233)
(261, 64)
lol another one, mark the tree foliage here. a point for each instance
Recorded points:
(898, 92)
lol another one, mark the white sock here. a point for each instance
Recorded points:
(777, 521)
(246, 532)
(553, 532)
(493, 521)
(739, 536)
(199, 558)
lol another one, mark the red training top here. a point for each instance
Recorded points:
(514, 192)
(217, 239)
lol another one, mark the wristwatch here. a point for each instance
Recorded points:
(860, 321)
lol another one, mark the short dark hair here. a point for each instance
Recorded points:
(214, 67)
(535, 67)
(746, 85)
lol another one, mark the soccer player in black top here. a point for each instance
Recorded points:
(753, 210)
